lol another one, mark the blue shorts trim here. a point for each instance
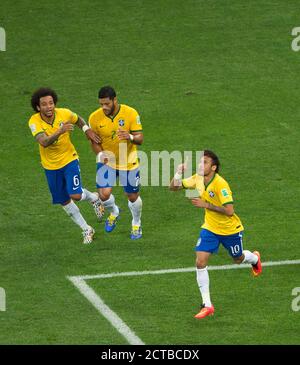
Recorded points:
(64, 182)
(210, 242)
(106, 178)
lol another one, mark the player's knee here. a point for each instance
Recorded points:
(201, 263)
(132, 197)
(104, 195)
(76, 197)
(238, 260)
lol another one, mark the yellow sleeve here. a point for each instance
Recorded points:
(189, 183)
(35, 127)
(91, 120)
(135, 125)
(73, 117)
(69, 116)
(225, 194)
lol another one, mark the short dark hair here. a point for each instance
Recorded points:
(107, 92)
(41, 92)
(214, 157)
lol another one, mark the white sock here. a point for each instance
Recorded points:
(250, 257)
(136, 211)
(87, 195)
(110, 205)
(203, 283)
(73, 211)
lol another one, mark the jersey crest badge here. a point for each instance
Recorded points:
(33, 128)
(121, 122)
(224, 193)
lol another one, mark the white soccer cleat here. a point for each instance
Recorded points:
(88, 235)
(99, 209)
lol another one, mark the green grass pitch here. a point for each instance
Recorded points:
(220, 75)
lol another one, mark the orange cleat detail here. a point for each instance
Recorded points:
(257, 268)
(205, 311)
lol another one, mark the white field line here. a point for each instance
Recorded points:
(114, 319)
(107, 313)
(184, 269)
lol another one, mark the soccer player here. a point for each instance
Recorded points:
(51, 128)
(221, 224)
(120, 130)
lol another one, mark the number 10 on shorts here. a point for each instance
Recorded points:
(235, 249)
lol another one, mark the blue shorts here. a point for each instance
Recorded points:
(106, 177)
(210, 242)
(64, 182)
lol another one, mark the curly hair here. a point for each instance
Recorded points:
(41, 92)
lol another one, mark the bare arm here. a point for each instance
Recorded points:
(46, 141)
(176, 182)
(134, 137)
(225, 209)
(102, 156)
(96, 147)
(90, 134)
(80, 122)
(138, 138)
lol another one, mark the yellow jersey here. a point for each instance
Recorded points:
(60, 152)
(125, 152)
(218, 193)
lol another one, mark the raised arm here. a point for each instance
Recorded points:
(176, 182)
